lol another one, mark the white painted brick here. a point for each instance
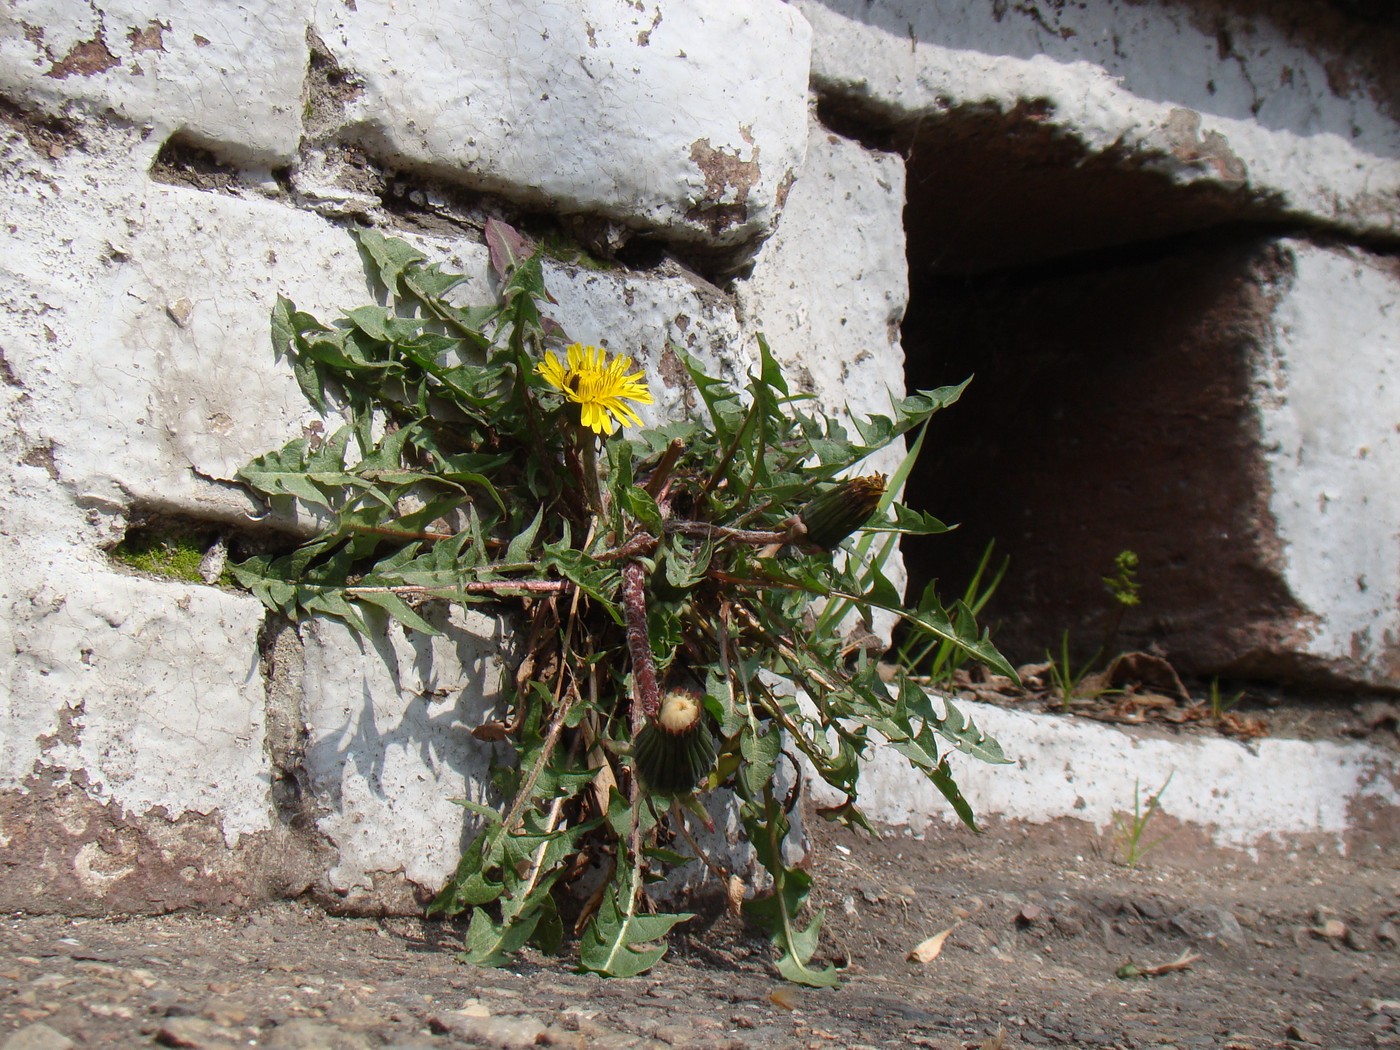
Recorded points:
(389, 748)
(1148, 80)
(138, 318)
(829, 289)
(229, 75)
(594, 107)
(147, 692)
(1079, 769)
(1328, 400)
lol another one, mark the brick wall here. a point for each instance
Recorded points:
(170, 168)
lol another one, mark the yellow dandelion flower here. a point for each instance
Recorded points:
(601, 388)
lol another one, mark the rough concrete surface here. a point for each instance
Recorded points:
(1297, 950)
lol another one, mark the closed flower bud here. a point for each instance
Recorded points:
(675, 751)
(842, 509)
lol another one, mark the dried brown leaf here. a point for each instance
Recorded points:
(928, 950)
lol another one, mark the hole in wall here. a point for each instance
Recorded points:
(183, 161)
(192, 550)
(1113, 323)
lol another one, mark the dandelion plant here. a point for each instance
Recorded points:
(665, 580)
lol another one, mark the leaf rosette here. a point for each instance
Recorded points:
(676, 587)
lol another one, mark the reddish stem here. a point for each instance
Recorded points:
(647, 694)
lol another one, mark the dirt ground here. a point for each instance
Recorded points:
(1287, 951)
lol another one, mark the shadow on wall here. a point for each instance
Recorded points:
(389, 745)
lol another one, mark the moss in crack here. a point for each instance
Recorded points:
(173, 552)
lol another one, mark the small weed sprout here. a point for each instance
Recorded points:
(937, 658)
(1129, 828)
(677, 587)
(1127, 593)
(1063, 677)
(1219, 704)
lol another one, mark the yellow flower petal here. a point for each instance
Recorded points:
(601, 388)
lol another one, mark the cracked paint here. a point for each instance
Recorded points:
(149, 38)
(1184, 138)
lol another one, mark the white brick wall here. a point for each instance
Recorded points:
(137, 372)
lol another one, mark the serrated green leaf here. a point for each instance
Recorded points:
(779, 910)
(399, 609)
(760, 753)
(522, 545)
(492, 943)
(909, 522)
(618, 940)
(491, 814)
(942, 778)
(390, 256)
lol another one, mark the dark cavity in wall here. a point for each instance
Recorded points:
(1112, 322)
(182, 161)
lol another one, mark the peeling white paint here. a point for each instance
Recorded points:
(1329, 411)
(619, 100)
(147, 691)
(228, 75)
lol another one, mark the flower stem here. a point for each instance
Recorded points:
(588, 453)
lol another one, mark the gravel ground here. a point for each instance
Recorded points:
(1296, 951)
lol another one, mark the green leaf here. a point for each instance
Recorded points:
(618, 940)
(642, 508)
(399, 609)
(297, 469)
(935, 622)
(522, 545)
(760, 753)
(959, 729)
(778, 911)
(720, 400)
(492, 943)
(942, 778)
(390, 256)
(910, 522)
(490, 814)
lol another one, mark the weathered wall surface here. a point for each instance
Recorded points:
(167, 172)
(1162, 235)
(167, 169)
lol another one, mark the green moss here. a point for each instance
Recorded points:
(562, 249)
(173, 555)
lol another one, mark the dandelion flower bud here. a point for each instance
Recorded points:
(675, 751)
(842, 509)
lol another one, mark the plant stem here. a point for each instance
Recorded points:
(646, 693)
(473, 587)
(588, 450)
